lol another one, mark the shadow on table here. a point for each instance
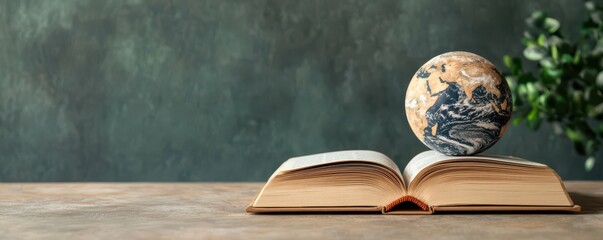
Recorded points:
(589, 203)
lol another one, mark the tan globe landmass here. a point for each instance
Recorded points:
(468, 70)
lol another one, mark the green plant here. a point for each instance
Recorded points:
(565, 87)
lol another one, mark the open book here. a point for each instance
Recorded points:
(431, 182)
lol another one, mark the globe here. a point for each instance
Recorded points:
(458, 104)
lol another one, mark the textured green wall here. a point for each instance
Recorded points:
(227, 90)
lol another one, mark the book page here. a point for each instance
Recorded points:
(340, 156)
(332, 189)
(428, 158)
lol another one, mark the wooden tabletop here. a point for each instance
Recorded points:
(216, 211)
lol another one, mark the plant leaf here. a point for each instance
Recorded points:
(573, 135)
(566, 58)
(554, 73)
(577, 56)
(542, 41)
(534, 119)
(508, 61)
(589, 5)
(600, 80)
(551, 24)
(547, 62)
(555, 53)
(536, 19)
(589, 164)
(534, 53)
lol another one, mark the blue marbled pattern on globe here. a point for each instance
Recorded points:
(461, 126)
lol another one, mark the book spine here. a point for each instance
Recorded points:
(412, 199)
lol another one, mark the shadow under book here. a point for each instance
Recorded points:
(368, 181)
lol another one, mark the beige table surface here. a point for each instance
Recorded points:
(216, 211)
